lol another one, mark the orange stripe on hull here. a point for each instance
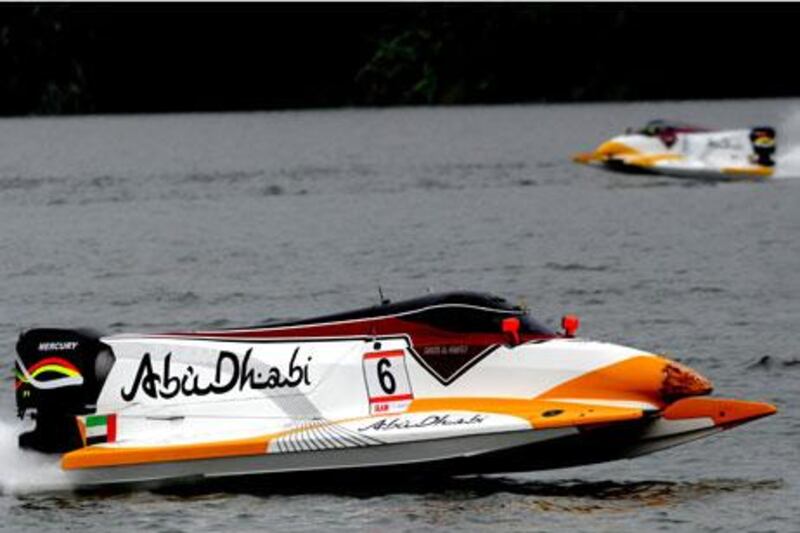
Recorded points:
(540, 414)
(749, 171)
(645, 378)
(636, 379)
(100, 456)
(723, 411)
(614, 148)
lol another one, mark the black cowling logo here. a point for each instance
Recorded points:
(447, 362)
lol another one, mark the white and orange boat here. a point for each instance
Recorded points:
(458, 383)
(683, 150)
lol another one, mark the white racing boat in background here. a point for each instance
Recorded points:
(683, 150)
(458, 383)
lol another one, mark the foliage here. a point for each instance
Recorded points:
(77, 58)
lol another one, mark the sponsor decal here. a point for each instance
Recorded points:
(48, 373)
(230, 374)
(453, 349)
(57, 346)
(446, 420)
(725, 144)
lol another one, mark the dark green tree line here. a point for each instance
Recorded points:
(110, 58)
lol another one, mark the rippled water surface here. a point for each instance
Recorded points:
(182, 221)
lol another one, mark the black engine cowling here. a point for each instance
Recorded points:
(763, 141)
(59, 374)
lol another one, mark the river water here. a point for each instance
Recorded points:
(183, 221)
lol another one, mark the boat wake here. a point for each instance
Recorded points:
(788, 157)
(26, 472)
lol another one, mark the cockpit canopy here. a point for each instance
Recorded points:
(457, 312)
(476, 313)
(667, 130)
(660, 126)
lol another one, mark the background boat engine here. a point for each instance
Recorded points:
(58, 374)
(763, 139)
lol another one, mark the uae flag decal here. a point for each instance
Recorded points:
(100, 428)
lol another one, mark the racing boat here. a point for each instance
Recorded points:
(683, 150)
(456, 383)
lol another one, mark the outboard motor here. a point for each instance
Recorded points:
(763, 141)
(59, 374)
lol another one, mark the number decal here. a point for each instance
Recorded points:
(388, 383)
(388, 386)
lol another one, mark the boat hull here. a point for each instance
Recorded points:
(455, 384)
(493, 453)
(706, 155)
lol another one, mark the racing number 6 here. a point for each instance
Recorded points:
(385, 377)
(388, 387)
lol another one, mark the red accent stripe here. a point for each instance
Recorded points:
(395, 398)
(390, 353)
(111, 428)
(53, 361)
